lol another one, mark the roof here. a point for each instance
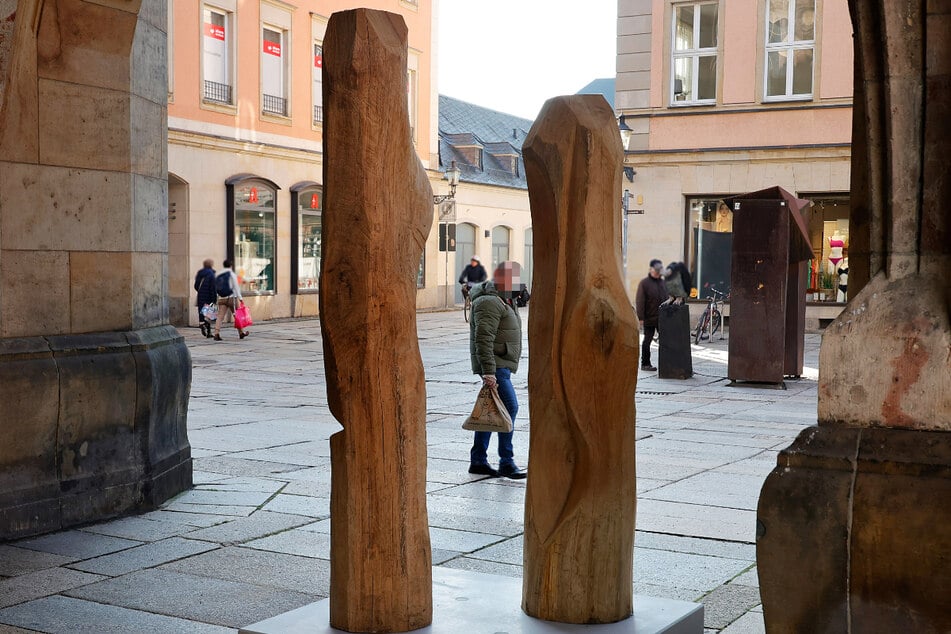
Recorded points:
(603, 86)
(499, 135)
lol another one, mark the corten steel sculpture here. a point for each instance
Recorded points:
(855, 524)
(580, 503)
(378, 214)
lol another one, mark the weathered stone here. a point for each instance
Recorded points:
(580, 502)
(378, 214)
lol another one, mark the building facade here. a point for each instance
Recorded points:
(722, 98)
(245, 144)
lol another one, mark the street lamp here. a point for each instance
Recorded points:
(626, 133)
(451, 175)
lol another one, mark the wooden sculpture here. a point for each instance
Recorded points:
(378, 214)
(580, 504)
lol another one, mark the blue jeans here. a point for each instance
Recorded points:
(480, 446)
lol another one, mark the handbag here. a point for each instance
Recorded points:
(489, 413)
(210, 311)
(242, 317)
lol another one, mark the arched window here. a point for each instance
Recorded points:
(252, 221)
(307, 203)
(465, 249)
(527, 268)
(500, 246)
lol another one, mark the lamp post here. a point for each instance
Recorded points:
(626, 133)
(447, 215)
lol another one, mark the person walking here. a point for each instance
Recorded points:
(229, 294)
(473, 274)
(651, 293)
(205, 285)
(495, 347)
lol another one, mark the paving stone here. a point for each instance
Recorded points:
(695, 545)
(244, 529)
(75, 616)
(275, 570)
(10, 629)
(41, 583)
(482, 565)
(749, 578)
(441, 556)
(17, 561)
(749, 623)
(460, 541)
(224, 498)
(295, 542)
(211, 509)
(140, 557)
(194, 520)
(506, 552)
(210, 600)
(77, 544)
(485, 525)
(684, 570)
(233, 465)
(299, 505)
(727, 603)
(711, 522)
(139, 528)
(664, 592)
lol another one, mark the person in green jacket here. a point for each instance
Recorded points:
(495, 347)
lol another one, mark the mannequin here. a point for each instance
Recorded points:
(843, 271)
(724, 223)
(836, 244)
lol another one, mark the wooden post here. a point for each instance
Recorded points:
(580, 503)
(378, 214)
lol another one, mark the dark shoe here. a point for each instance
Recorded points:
(512, 472)
(483, 469)
(242, 335)
(217, 337)
(648, 368)
(201, 327)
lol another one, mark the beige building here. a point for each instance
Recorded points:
(245, 144)
(724, 98)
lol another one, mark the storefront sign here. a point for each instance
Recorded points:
(272, 48)
(214, 31)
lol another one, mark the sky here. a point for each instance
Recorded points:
(512, 55)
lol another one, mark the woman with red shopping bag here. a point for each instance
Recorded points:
(230, 302)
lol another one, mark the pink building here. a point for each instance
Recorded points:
(724, 98)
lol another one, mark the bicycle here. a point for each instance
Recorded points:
(712, 318)
(466, 302)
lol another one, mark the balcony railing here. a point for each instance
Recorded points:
(274, 105)
(318, 114)
(219, 93)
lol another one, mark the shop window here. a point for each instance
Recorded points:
(500, 247)
(274, 71)
(318, 86)
(527, 267)
(790, 49)
(694, 54)
(709, 244)
(829, 237)
(253, 224)
(217, 55)
(308, 218)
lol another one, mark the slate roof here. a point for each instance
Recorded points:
(465, 124)
(603, 86)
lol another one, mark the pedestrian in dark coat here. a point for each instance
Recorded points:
(205, 285)
(651, 293)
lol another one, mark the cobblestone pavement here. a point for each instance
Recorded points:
(251, 540)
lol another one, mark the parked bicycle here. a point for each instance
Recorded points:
(712, 318)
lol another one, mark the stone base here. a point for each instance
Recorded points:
(854, 532)
(93, 427)
(473, 602)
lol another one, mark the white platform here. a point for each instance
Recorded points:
(476, 603)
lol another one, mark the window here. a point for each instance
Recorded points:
(829, 236)
(412, 95)
(274, 71)
(694, 64)
(318, 90)
(216, 56)
(527, 266)
(500, 247)
(790, 49)
(421, 271)
(309, 208)
(465, 249)
(255, 229)
(709, 244)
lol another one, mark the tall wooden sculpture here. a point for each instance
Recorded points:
(854, 523)
(378, 214)
(580, 504)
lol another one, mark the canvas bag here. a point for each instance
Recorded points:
(489, 413)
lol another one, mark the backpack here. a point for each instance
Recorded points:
(223, 284)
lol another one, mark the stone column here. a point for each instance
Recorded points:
(581, 497)
(854, 524)
(378, 214)
(94, 381)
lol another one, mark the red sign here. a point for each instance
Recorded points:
(214, 31)
(318, 61)
(314, 201)
(272, 48)
(253, 196)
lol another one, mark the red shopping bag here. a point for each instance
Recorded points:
(242, 317)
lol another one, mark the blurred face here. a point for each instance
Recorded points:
(507, 277)
(474, 263)
(656, 270)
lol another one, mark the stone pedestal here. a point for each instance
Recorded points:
(94, 383)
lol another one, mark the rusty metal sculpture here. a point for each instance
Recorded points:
(378, 215)
(581, 498)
